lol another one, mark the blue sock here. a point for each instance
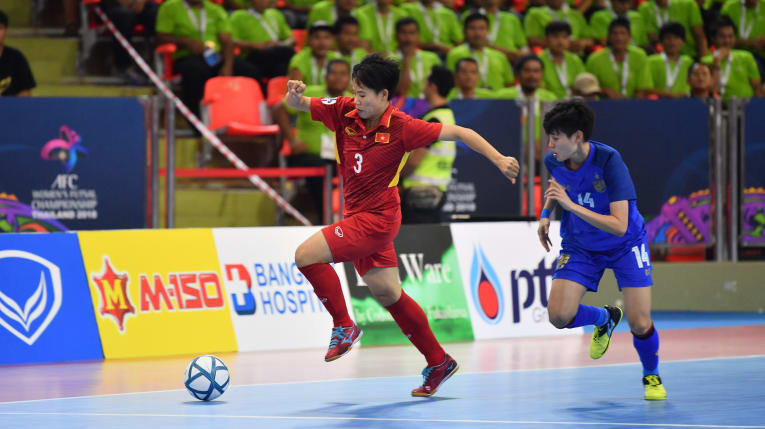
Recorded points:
(647, 346)
(589, 315)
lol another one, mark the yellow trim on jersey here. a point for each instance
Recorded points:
(337, 155)
(395, 180)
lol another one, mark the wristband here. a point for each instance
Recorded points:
(545, 214)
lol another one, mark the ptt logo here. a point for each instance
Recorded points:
(183, 291)
(487, 291)
(30, 294)
(65, 149)
(278, 288)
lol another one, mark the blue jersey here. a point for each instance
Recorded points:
(602, 179)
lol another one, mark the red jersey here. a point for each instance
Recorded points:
(370, 161)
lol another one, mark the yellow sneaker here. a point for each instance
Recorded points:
(601, 337)
(654, 390)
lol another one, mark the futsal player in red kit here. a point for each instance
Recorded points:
(373, 141)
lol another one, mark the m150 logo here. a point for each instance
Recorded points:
(182, 291)
(488, 295)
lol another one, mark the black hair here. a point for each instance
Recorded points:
(619, 22)
(337, 61)
(443, 79)
(3, 19)
(406, 21)
(569, 117)
(377, 72)
(320, 26)
(343, 21)
(464, 60)
(526, 58)
(474, 17)
(698, 64)
(722, 22)
(557, 27)
(674, 28)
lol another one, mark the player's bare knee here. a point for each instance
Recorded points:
(385, 299)
(641, 326)
(302, 256)
(559, 321)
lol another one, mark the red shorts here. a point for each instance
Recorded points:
(365, 238)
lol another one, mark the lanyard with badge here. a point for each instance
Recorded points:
(316, 77)
(494, 32)
(661, 16)
(483, 64)
(725, 75)
(210, 55)
(434, 27)
(745, 30)
(418, 69)
(561, 71)
(266, 25)
(625, 70)
(671, 74)
(385, 30)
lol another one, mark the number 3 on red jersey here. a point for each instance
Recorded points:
(359, 160)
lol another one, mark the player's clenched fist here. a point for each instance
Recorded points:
(544, 233)
(295, 90)
(509, 167)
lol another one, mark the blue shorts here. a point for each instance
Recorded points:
(631, 266)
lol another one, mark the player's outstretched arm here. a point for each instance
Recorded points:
(506, 164)
(615, 223)
(295, 99)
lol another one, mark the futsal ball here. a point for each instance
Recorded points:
(206, 377)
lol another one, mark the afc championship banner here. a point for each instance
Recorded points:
(272, 304)
(507, 277)
(72, 164)
(430, 274)
(45, 312)
(753, 187)
(157, 292)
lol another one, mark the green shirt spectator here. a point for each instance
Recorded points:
(505, 30)
(656, 13)
(378, 21)
(311, 132)
(750, 25)
(311, 67)
(328, 11)
(736, 71)
(536, 21)
(466, 79)
(420, 65)
(251, 26)
(478, 93)
(559, 76)
(440, 30)
(348, 41)
(613, 76)
(658, 65)
(416, 64)
(602, 19)
(493, 68)
(205, 24)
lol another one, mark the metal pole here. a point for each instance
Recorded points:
(155, 108)
(170, 166)
(532, 153)
(733, 154)
(719, 192)
(521, 163)
(544, 175)
(327, 194)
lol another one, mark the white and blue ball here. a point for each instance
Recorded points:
(207, 377)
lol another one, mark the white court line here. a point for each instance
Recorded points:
(237, 386)
(380, 419)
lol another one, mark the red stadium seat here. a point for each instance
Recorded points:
(277, 87)
(163, 62)
(299, 36)
(235, 107)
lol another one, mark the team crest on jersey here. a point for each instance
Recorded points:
(382, 138)
(563, 260)
(350, 131)
(599, 184)
(329, 100)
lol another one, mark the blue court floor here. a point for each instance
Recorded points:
(711, 393)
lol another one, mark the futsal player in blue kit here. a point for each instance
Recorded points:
(601, 228)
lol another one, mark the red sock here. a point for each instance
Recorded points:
(414, 324)
(326, 285)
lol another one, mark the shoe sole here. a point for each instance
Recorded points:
(608, 344)
(448, 376)
(349, 348)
